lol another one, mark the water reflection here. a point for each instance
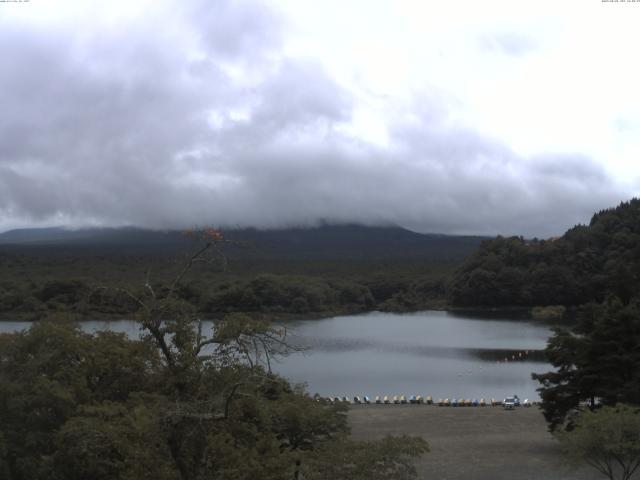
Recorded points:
(426, 353)
(337, 345)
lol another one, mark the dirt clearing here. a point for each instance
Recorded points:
(472, 443)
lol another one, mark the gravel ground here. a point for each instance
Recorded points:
(481, 443)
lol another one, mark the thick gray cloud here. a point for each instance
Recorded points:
(209, 122)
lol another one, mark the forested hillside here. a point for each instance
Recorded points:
(586, 264)
(315, 272)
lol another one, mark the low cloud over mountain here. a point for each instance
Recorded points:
(169, 115)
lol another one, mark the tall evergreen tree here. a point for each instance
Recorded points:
(597, 362)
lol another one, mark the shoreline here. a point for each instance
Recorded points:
(509, 313)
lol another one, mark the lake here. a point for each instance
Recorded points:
(425, 353)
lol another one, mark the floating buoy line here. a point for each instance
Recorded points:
(514, 357)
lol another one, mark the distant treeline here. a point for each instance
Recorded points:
(586, 264)
(33, 286)
(303, 272)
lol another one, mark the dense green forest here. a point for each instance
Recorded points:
(324, 271)
(33, 286)
(586, 264)
(303, 272)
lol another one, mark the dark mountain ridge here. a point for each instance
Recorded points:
(328, 241)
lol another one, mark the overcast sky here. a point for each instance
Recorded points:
(487, 117)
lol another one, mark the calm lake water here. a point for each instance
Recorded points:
(425, 353)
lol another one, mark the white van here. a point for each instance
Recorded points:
(509, 403)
